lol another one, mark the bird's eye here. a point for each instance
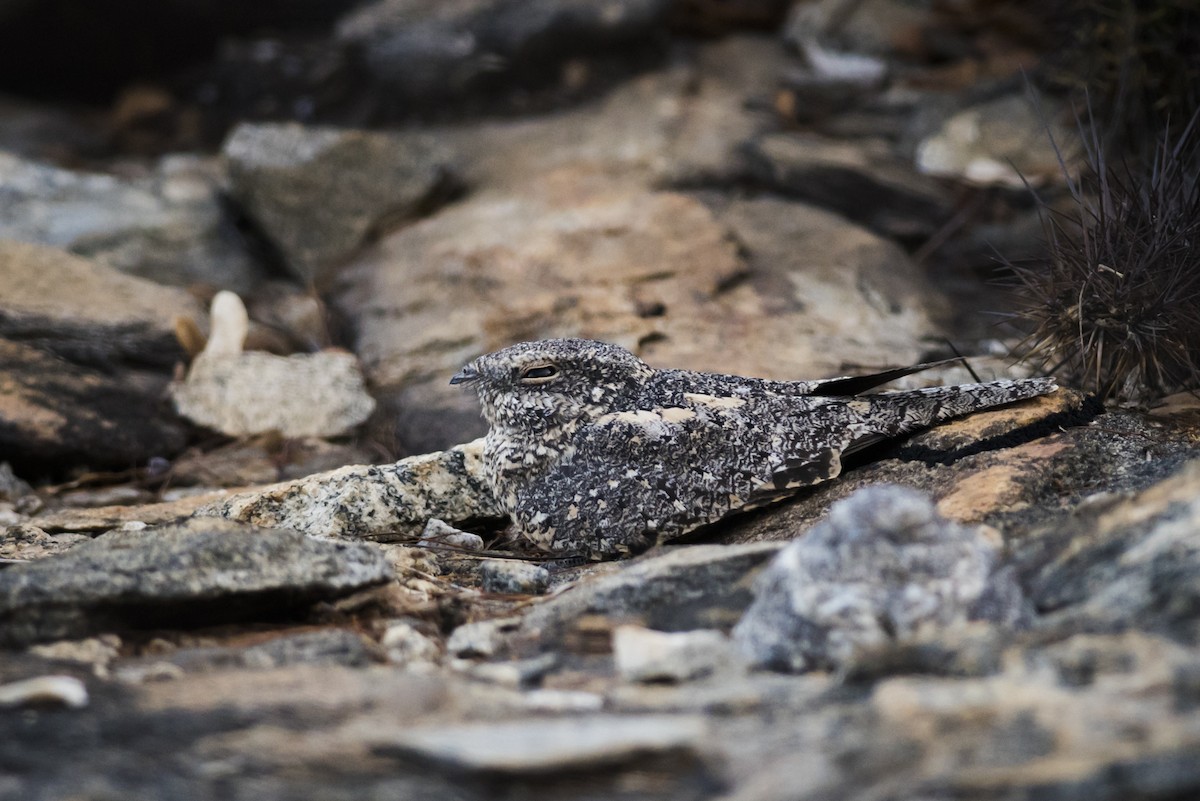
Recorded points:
(539, 372)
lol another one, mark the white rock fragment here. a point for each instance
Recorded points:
(645, 655)
(405, 644)
(246, 393)
(544, 745)
(66, 691)
(439, 532)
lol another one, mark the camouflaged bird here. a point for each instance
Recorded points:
(592, 451)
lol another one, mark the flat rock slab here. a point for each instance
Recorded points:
(200, 572)
(86, 311)
(543, 746)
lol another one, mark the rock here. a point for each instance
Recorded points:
(877, 27)
(646, 655)
(169, 226)
(1131, 561)
(1005, 142)
(244, 394)
(439, 532)
(405, 644)
(317, 193)
(863, 181)
(262, 460)
(65, 691)
(513, 674)
(202, 570)
(686, 588)
(543, 746)
(25, 541)
(385, 501)
(61, 416)
(322, 647)
(12, 488)
(72, 522)
(883, 567)
(581, 255)
(87, 312)
(425, 52)
(509, 577)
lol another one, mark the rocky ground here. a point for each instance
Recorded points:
(234, 291)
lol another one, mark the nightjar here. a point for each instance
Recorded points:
(592, 451)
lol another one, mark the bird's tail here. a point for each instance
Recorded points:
(895, 413)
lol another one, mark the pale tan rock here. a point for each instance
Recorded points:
(1004, 142)
(247, 393)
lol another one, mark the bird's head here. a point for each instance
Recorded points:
(543, 385)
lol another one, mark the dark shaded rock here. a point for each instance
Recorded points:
(200, 572)
(883, 566)
(170, 226)
(56, 416)
(320, 647)
(864, 182)
(44, 132)
(426, 50)
(317, 193)
(154, 741)
(88, 312)
(1126, 562)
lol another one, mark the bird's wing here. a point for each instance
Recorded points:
(631, 478)
(634, 477)
(857, 384)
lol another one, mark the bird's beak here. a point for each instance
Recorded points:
(465, 375)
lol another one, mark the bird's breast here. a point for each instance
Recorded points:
(513, 459)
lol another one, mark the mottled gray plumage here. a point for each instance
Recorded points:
(593, 451)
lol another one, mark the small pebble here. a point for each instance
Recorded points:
(510, 577)
(66, 691)
(645, 655)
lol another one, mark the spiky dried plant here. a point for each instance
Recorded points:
(1114, 307)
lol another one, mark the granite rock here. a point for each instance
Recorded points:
(393, 501)
(883, 566)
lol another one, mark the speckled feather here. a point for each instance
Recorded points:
(593, 451)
